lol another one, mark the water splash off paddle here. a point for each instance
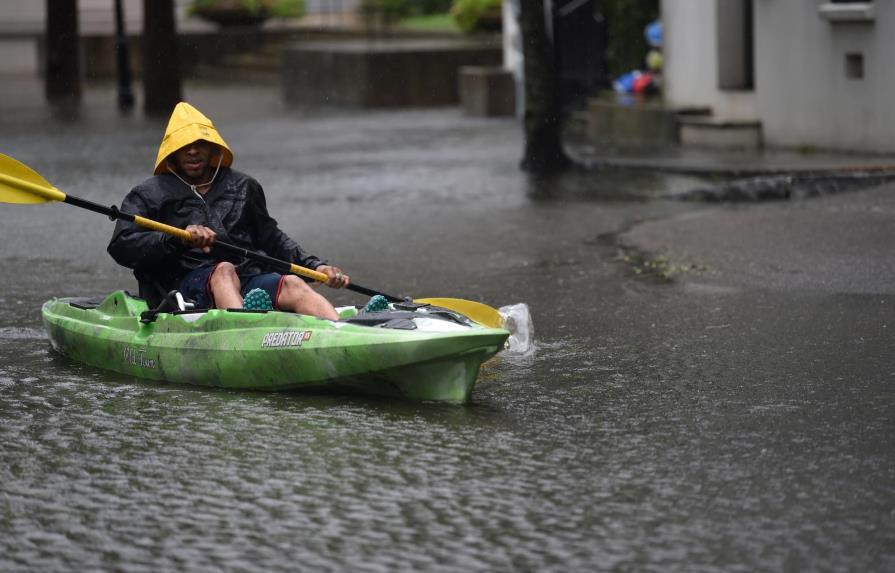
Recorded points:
(517, 319)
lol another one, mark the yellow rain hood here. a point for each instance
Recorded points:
(187, 125)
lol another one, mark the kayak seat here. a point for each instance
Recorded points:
(173, 302)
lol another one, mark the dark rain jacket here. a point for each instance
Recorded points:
(234, 208)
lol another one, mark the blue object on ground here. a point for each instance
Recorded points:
(653, 34)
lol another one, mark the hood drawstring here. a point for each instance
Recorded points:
(194, 187)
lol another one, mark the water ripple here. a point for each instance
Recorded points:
(17, 333)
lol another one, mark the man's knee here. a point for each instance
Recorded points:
(296, 286)
(224, 271)
(299, 296)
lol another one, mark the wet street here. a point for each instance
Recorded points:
(683, 414)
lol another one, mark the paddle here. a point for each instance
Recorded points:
(20, 184)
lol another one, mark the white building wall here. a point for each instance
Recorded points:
(690, 72)
(804, 97)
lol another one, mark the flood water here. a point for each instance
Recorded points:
(656, 426)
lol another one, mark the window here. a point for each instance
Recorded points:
(735, 45)
(854, 66)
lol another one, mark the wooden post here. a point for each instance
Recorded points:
(63, 73)
(161, 63)
(122, 60)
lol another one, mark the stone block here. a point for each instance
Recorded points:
(487, 91)
(711, 132)
(632, 119)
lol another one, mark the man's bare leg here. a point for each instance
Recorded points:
(298, 296)
(224, 284)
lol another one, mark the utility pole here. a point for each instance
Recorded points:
(161, 62)
(63, 71)
(122, 61)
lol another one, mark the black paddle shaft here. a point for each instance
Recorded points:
(114, 213)
(285, 267)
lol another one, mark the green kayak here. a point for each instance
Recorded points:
(411, 351)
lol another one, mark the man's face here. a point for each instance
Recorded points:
(193, 160)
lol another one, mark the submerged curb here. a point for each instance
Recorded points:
(749, 181)
(787, 186)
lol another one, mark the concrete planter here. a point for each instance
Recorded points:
(399, 73)
(487, 91)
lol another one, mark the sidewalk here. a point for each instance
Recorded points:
(739, 174)
(726, 162)
(839, 244)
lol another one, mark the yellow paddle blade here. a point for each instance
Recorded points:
(475, 311)
(21, 184)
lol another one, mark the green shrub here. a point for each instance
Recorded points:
(441, 22)
(472, 15)
(384, 11)
(274, 8)
(426, 7)
(626, 21)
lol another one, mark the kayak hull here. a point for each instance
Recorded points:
(272, 351)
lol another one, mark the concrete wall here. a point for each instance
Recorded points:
(690, 72)
(804, 96)
(381, 73)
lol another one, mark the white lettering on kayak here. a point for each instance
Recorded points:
(138, 358)
(285, 338)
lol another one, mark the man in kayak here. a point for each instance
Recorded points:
(194, 188)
